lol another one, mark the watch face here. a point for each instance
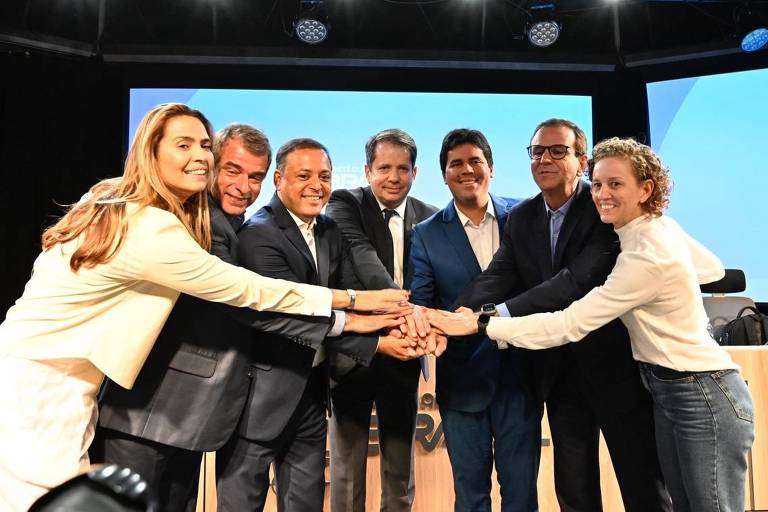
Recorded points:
(488, 309)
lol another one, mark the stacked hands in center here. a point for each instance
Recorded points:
(410, 331)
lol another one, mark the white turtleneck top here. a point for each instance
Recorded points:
(653, 289)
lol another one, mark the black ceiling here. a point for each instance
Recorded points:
(483, 32)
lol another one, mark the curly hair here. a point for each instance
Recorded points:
(645, 165)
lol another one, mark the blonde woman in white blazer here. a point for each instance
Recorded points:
(101, 289)
(703, 411)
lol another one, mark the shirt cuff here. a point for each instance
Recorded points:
(318, 301)
(502, 309)
(496, 331)
(338, 324)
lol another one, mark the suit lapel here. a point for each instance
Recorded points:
(220, 218)
(575, 212)
(381, 238)
(291, 231)
(542, 242)
(456, 236)
(409, 221)
(323, 251)
(501, 209)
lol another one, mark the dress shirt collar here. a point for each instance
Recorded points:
(489, 211)
(563, 209)
(400, 208)
(304, 227)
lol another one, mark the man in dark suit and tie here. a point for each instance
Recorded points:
(285, 417)
(487, 415)
(376, 222)
(554, 251)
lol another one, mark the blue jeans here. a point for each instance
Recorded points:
(704, 428)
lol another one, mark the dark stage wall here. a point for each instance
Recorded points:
(61, 122)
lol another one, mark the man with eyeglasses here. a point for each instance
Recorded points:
(376, 222)
(554, 251)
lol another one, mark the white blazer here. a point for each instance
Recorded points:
(112, 313)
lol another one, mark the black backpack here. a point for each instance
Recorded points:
(745, 329)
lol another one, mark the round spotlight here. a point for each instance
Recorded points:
(311, 31)
(755, 40)
(543, 33)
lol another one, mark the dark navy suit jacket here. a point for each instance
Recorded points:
(272, 245)
(443, 265)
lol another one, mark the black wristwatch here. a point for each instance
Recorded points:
(486, 312)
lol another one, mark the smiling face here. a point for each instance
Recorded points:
(241, 174)
(391, 173)
(467, 174)
(304, 183)
(617, 193)
(557, 179)
(184, 156)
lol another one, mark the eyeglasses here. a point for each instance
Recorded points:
(556, 151)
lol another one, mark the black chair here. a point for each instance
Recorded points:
(108, 488)
(722, 308)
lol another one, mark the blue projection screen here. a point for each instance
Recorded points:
(344, 121)
(710, 131)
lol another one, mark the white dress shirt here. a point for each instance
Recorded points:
(397, 230)
(483, 237)
(307, 230)
(653, 289)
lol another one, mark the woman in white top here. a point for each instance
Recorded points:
(702, 408)
(104, 284)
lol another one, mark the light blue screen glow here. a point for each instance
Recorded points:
(343, 121)
(711, 133)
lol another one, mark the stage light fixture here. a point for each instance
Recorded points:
(543, 33)
(311, 25)
(310, 30)
(755, 40)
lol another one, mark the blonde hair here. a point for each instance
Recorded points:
(100, 217)
(645, 166)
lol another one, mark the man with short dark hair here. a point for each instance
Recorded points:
(488, 418)
(376, 222)
(285, 417)
(555, 249)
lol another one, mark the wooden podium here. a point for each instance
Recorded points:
(434, 483)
